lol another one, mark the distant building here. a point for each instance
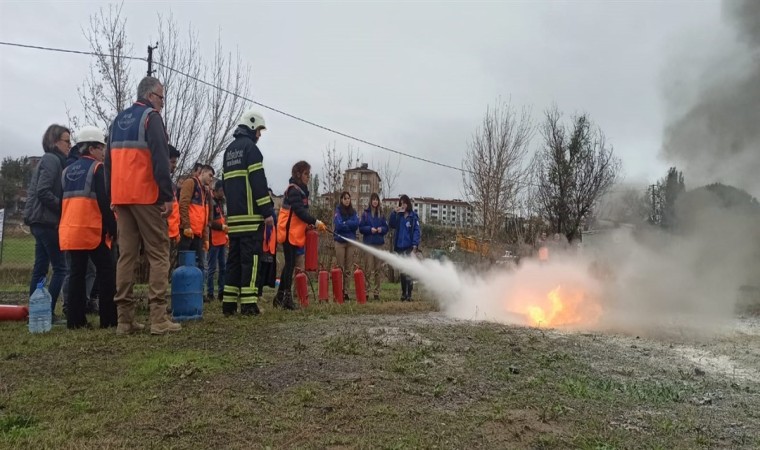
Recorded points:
(451, 213)
(361, 182)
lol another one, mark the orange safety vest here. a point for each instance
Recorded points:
(132, 181)
(81, 226)
(218, 237)
(270, 241)
(198, 209)
(173, 219)
(289, 225)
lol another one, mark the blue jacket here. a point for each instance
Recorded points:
(345, 226)
(369, 222)
(407, 230)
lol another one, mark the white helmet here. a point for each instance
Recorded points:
(90, 134)
(252, 119)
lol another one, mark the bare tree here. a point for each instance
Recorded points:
(494, 165)
(332, 176)
(572, 171)
(389, 174)
(108, 87)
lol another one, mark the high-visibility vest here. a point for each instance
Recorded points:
(173, 219)
(81, 226)
(289, 225)
(218, 237)
(132, 181)
(198, 209)
(270, 240)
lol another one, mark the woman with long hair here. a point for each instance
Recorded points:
(345, 224)
(43, 211)
(407, 239)
(373, 228)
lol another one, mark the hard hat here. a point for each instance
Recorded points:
(90, 134)
(252, 119)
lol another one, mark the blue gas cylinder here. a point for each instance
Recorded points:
(187, 289)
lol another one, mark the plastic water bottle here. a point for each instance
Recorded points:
(40, 312)
(277, 283)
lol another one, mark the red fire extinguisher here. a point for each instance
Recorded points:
(302, 289)
(337, 281)
(361, 286)
(311, 260)
(324, 286)
(13, 312)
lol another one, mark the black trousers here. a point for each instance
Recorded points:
(106, 278)
(286, 276)
(195, 244)
(242, 268)
(406, 281)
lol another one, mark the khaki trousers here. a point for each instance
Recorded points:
(345, 259)
(373, 269)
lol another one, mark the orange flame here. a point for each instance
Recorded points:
(561, 308)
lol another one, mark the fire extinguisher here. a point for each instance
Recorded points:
(311, 260)
(361, 286)
(13, 312)
(324, 286)
(337, 281)
(302, 289)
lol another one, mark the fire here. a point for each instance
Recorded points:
(560, 308)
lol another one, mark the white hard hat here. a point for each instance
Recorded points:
(252, 119)
(90, 134)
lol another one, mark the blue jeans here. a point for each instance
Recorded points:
(46, 252)
(216, 255)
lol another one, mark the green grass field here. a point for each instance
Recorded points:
(18, 251)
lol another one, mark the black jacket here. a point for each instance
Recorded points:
(243, 172)
(43, 203)
(294, 198)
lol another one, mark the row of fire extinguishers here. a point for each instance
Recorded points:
(311, 264)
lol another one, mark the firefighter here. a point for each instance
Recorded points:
(249, 211)
(87, 228)
(292, 222)
(137, 162)
(193, 213)
(217, 254)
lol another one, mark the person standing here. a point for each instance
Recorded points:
(137, 163)
(407, 238)
(86, 230)
(194, 213)
(249, 211)
(373, 228)
(43, 212)
(217, 254)
(292, 222)
(345, 224)
(172, 220)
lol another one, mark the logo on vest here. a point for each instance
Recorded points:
(75, 172)
(126, 121)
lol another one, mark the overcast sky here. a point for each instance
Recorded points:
(416, 77)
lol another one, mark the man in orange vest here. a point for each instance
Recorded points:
(86, 229)
(137, 163)
(217, 253)
(194, 213)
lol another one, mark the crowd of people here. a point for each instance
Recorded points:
(94, 208)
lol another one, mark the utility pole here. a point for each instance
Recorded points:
(150, 59)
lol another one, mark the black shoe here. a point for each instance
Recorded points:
(92, 306)
(287, 301)
(229, 308)
(249, 309)
(209, 298)
(376, 297)
(345, 297)
(277, 300)
(220, 297)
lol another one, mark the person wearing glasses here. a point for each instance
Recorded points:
(87, 229)
(137, 164)
(43, 212)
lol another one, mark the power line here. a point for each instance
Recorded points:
(76, 52)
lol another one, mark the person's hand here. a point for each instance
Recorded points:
(188, 233)
(177, 239)
(269, 221)
(321, 226)
(167, 209)
(374, 231)
(400, 209)
(225, 228)
(205, 246)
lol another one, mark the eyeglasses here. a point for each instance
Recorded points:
(158, 95)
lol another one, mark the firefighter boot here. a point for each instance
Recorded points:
(229, 308)
(126, 323)
(159, 320)
(287, 301)
(249, 309)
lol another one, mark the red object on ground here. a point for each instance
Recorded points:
(302, 289)
(337, 281)
(311, 259)
(361, 286)
(13, 312)
(324, 286)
